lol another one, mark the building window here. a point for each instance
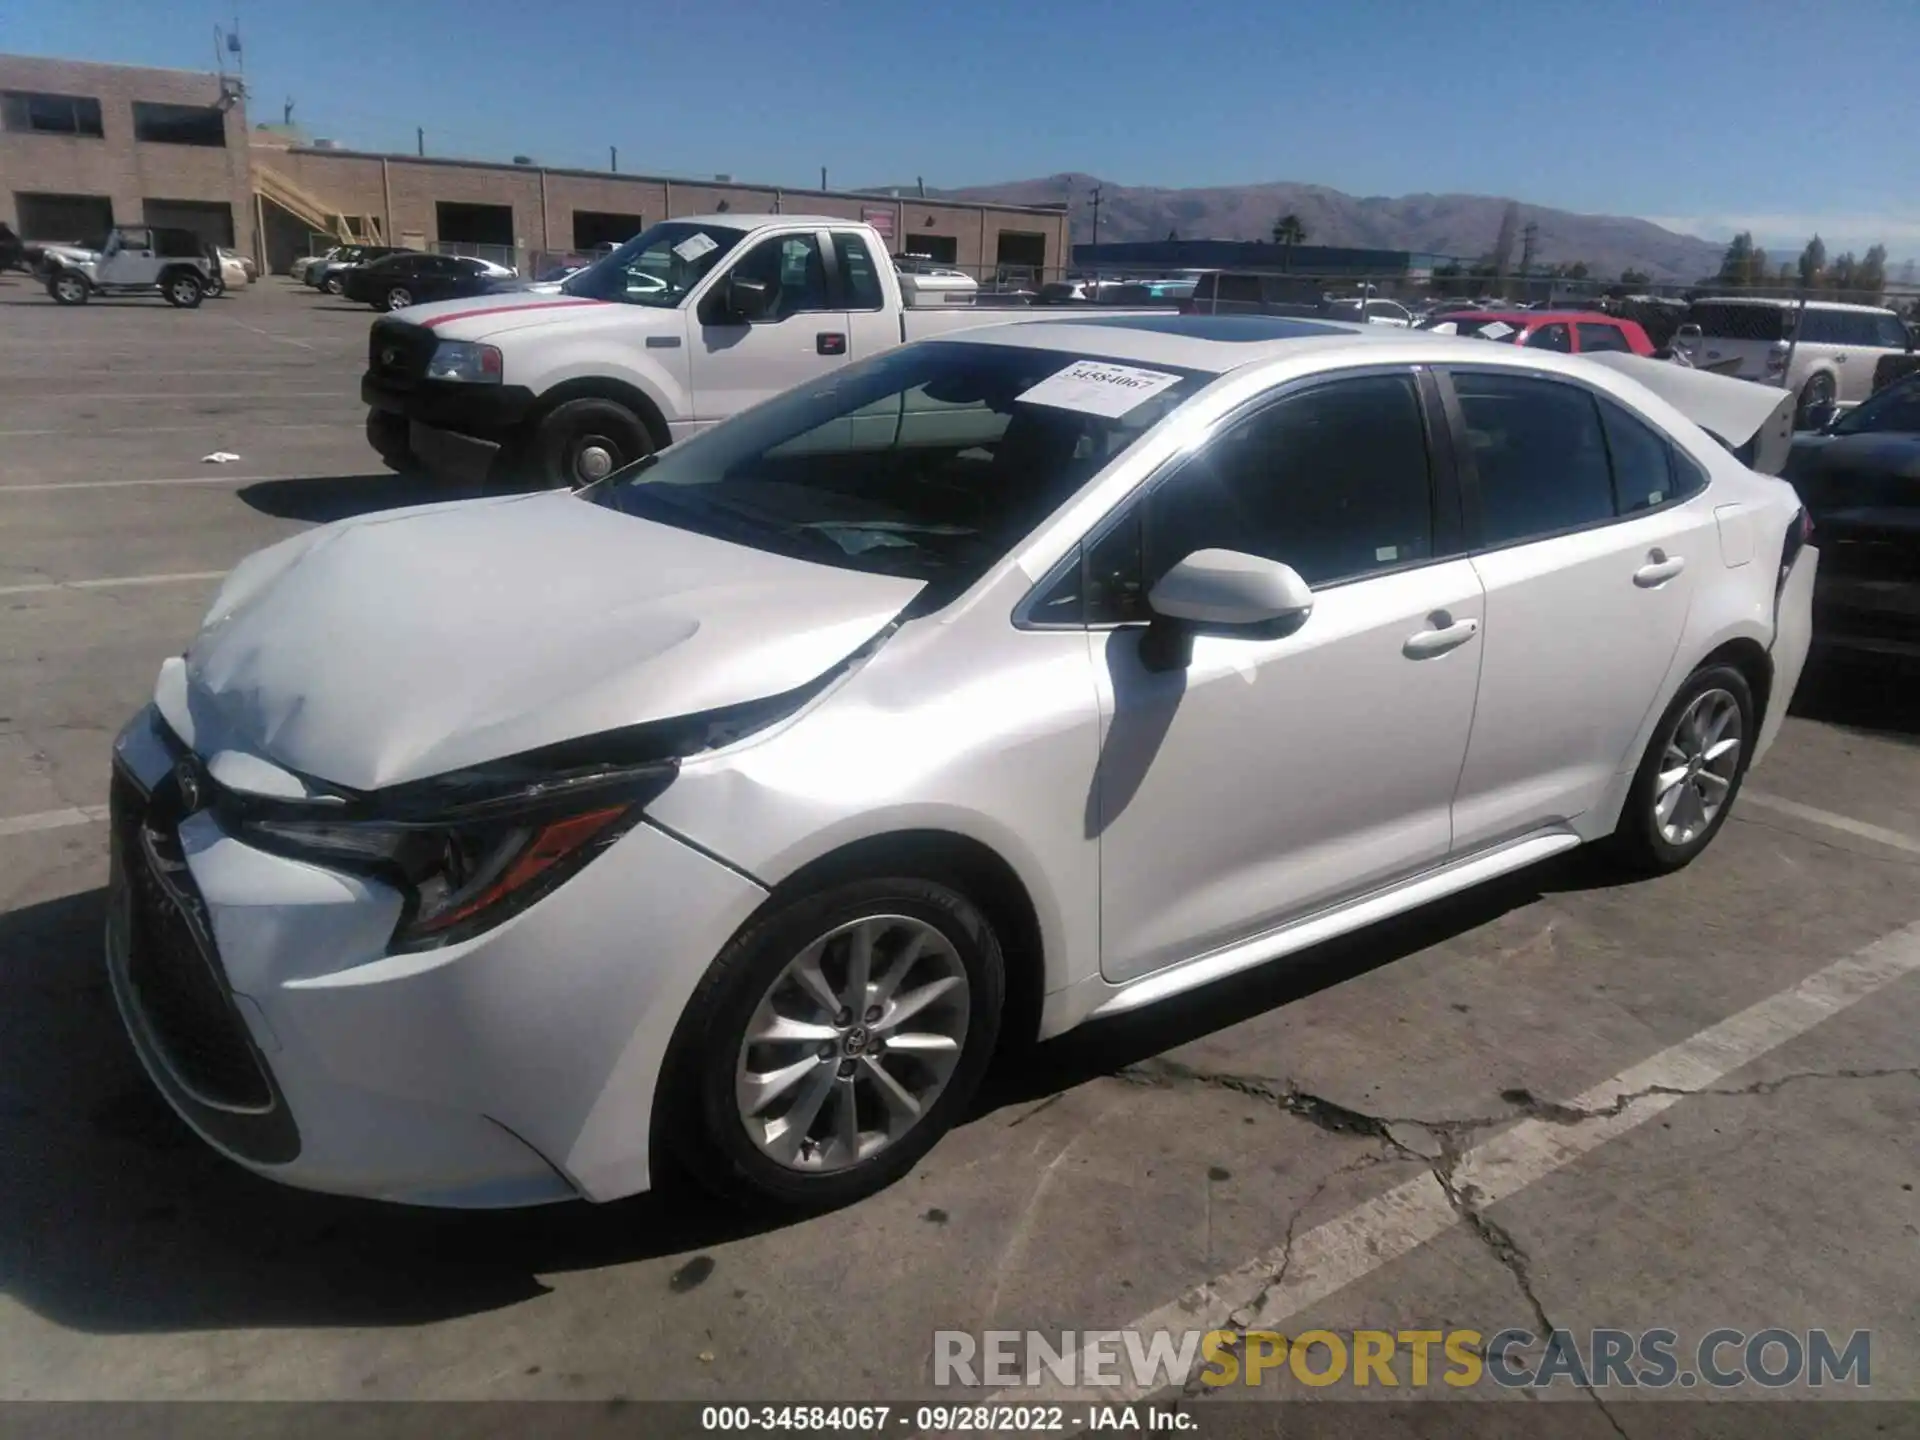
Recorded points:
(159, 124)
(943, 248)
(70, 219)
(464, 224)
(594, 228)
(27, 113)
(211, 220)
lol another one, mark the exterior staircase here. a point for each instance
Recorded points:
(313, 212)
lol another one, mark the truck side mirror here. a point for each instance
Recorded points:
(748, 300)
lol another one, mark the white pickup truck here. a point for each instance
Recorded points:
(687, 323)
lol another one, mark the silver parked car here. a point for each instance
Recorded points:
(738, 805)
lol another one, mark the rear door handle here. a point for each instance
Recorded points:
(1659, 569)
(1446, 634)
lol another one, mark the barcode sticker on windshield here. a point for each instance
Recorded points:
(1096, 387)
(695, 245)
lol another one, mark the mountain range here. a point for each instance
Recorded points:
(1464, 226)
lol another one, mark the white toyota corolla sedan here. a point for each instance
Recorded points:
(734, 808)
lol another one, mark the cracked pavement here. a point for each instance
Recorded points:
(1103, 1178)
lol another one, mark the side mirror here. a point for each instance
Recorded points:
(1221, 592)
(1819, 417)
(748, 300)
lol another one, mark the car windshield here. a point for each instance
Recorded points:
(658, 266)
(1720, 321)
(929, 462)
(1892, 411)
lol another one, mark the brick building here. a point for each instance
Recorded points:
(84, 147)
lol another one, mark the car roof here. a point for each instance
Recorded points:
(1210, 343)
(761, 222)
(1790, 304)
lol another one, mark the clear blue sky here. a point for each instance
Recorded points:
(1708, 115)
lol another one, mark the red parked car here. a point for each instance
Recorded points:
(1571, 332)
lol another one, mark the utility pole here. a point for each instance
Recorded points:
(1096, 214)
(420, 140)
(823, 177)
(1528, 236)
(613, 158)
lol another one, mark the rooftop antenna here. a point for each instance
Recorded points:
(233, 84)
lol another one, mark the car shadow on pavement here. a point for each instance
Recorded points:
(115, 1219)
(320, 499)
(1104, 1047)
(1860, 695)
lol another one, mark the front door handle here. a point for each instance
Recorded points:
(1659, 569)
(1446, 634)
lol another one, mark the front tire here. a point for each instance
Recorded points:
(67, 288)
(1690, 775)
(334, 285)
(582, 441)
(833, 1043)
(398, 297)
(183, 289)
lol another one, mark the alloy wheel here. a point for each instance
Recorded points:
(398, 298)
(185, 292)
(1697, 767)
(852, 1043)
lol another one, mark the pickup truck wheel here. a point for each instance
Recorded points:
(68, 288)
(582, 441)
(183, 289)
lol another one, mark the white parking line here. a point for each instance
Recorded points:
(211, 478)
(1844, 823)
(52, 819)
(268, 334)
(1354, 1245)
(114, 582)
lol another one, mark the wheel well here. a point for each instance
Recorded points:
(971, 867)
(173, 270)
(600, 387)
(1755, 664)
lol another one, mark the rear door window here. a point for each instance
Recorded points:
(1739, 322)
(857, 272)
(1539, 454)
(1595, 338)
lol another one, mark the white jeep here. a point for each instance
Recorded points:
(136, 260)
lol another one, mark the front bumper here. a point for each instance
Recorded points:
(514, 1069)
(488, 412)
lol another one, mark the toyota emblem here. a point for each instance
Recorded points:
(186, 778)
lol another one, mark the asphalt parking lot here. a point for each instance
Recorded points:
(1560, 1102)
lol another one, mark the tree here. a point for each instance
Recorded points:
(1736, 266)
(1289, 230)
(1871, 277)
(1813, 262)
(1635, 278)
(1843, 273)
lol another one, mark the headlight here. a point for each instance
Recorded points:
(482, 864)
(464, 360)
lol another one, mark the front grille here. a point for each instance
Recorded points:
(170, 966)
(398, 351)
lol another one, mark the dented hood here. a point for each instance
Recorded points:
(399, 646)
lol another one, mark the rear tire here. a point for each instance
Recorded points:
(398, 297)
(183, 289)
(1817, 391)
(68, 288)
(703, 1118)
(581, 441)
(334, 285)
(1684, 791)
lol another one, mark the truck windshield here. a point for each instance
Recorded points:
(658, 266)
(928, 462)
